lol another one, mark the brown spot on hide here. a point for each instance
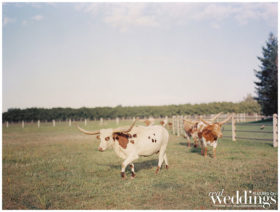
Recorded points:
(131, 166)
(131, 141)
(129, 135)
(157, 152)
(98, 137)
(162, 123)
(199, 134)
(153, 140)
(149, 137)
(107, 138)
(122, 139)
(134, 135)
(154, 134)
(209, 134)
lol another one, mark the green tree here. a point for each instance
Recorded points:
(267, 84)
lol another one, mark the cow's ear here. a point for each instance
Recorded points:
(98, 137)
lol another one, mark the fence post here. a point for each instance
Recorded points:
(118, 121)
(233, 127)
(85, 122)
(22, 124)
(181, 125)
(53, 121)
(275, 130)
(173, 125)
(178, 126)
(101, 121)
(7, 124)
(38, 123)
(69, 122)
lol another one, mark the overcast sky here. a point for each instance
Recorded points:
(109, 54)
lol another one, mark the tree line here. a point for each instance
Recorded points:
(248, 105)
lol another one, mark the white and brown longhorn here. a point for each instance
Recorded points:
(133, 142)
(210, 134)
(193, 127)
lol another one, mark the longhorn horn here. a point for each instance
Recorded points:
(215, 117)
(88, 132)
(188, 121)
(205, 122)
(224, 121)
(128, 130)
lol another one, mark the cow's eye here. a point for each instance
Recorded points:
(107, 138)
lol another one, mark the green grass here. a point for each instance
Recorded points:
(60, 168)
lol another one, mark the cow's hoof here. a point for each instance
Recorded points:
(133, 175)
(123, 175)
(157, 169)
(166, 166)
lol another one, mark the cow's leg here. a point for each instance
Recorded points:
(189, 140)
(214, 152)
(161, 156)
(195, 141)
(202, 146)
(132, 170)
(126, 162)
(205, 151)
(165, 161)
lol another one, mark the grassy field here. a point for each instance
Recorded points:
(60, 168)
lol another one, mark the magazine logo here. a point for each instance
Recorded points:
(243, 199)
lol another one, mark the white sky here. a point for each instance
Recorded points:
(104, 54)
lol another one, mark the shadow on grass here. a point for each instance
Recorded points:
(269, 144)
(138, 165)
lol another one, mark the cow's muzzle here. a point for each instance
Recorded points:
(100, 149)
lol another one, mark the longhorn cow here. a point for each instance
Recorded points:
(193, 127)
(133, 142)
(209, 135)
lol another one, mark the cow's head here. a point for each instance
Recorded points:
(106, 135)
(216, 128)
(190, 125)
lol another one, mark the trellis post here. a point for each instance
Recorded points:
(233, 127)
(275, 130)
